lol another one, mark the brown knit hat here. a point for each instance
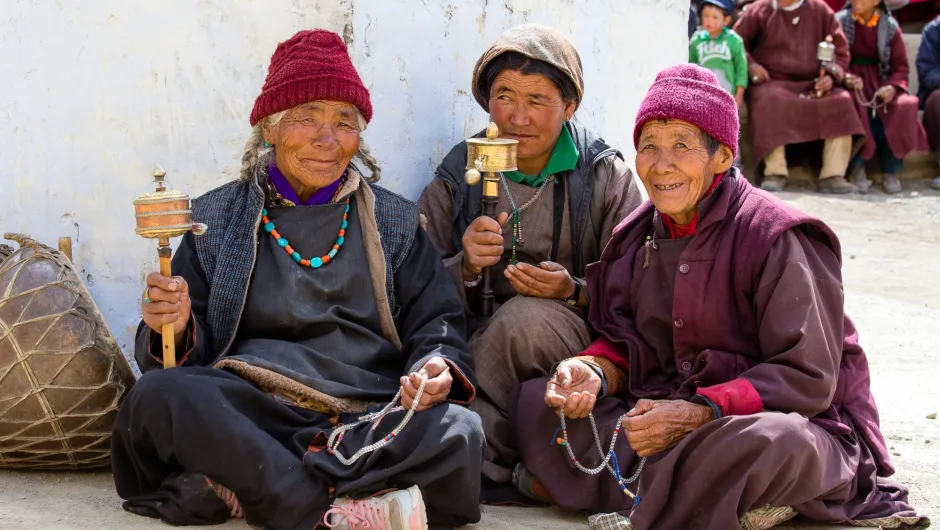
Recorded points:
(312, 65)
(535, 42)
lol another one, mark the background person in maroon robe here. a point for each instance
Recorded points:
(722, 336)
(928, 75)
(878, 72)
(781, 37)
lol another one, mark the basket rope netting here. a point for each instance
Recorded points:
(62, 375)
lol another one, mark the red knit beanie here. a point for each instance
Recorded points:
(312, 65)
(692, 94)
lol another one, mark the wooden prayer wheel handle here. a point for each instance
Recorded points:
(490, 203)
(161, 215)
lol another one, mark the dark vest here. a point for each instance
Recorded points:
(585, 194)
(233, 213)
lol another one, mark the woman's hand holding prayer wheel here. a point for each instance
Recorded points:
(575, 386)
(655, 426)
(482, 244)
(437, 372)
(165, 301)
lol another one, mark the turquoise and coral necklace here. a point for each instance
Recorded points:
(314, 263)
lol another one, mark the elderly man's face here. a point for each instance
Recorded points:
(676, 168)
(314, 142)
(529, 108)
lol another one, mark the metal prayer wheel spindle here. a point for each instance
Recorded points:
(486, 159)
(825, 53)
(162, 215)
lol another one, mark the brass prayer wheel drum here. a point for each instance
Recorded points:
(826, 51)
(489, 155)
(164, 213)
(62, 374)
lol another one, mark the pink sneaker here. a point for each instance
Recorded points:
(227, 496)
(396, 510)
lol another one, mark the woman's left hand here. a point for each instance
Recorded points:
(886, 93)
(655, 426)
(436, 389)
(548, 280)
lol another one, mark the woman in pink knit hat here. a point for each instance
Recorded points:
(314, 297)
(723, 364)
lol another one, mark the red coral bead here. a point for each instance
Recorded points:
(289, 249)
(325, 259)
(275, 234)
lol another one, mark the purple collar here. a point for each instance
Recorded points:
(321, 196)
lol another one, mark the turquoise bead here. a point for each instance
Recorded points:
(282, 242)
(296, 256)
(268, 227)
(347, 207)
(332, 253)
(345, 224)
(340, 240)
(316, 263)
(264, 212)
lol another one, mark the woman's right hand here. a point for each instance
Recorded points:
(853, 82)
(482, 244)
(169, 303)
(574, 387)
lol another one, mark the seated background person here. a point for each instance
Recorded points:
(928, 74)
(313, 296)
(723, 337)
(879, 70)
(781, 37)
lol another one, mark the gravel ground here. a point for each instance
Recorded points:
(892, 282)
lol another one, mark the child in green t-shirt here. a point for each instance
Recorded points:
(719, 48)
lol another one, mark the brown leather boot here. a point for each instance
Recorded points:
(892, 183)
(860, 179)
(773, 183)
(836, 185)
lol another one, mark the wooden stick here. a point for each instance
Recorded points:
(490, 202)
(167, 333)
(65, 247)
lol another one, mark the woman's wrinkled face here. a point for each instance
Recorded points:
(676, 168)
(314, 142)
(529, 108)
(862, 7)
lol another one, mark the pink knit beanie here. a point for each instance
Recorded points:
(692, 94)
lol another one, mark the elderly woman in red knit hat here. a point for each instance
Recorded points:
(299, 311)
(733, 385)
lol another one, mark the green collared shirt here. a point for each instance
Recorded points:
(564, 158)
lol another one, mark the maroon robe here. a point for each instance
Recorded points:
(902, 127)
(753, 319)
(777, 114)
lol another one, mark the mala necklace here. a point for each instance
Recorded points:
(314, 263)
(336, 438)
(874, 104)
(609, 458)
(516, 213)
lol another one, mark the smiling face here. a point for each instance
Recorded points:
(313, 143)
(676, 167)
(529, 108)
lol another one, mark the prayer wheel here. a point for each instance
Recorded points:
(487, 158)
(162, 215)
(825, 53)
(62, 374)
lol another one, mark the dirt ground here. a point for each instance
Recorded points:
(891, 250)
